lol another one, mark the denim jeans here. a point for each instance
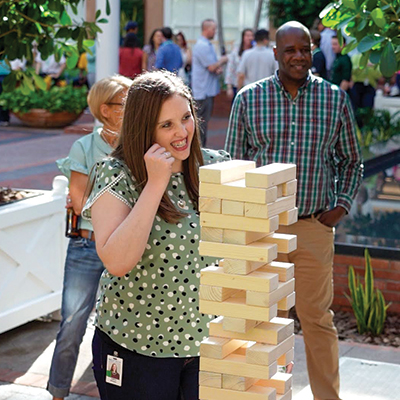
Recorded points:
(82, 272)
(144, 377)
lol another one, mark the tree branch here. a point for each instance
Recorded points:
(6, 33)
(32, 20)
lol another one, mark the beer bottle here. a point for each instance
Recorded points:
(71, 226)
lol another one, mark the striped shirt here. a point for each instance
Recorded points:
(316, 131)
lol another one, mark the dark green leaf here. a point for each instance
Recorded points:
(39, 82)
(72, 60)
(9, 82)
(362, 24)
(378, 17)
(388, 64)
(108, 9)
(98, 12)
(375, 56)
(368, 42)
(102, 21)
(65, 19)
(74, 8)
(349, 3)
(350, 46)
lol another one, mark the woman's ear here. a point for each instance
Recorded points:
(105, 110)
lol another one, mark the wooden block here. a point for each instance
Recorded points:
(231, 207)
(286, 358)
(284, 270)
(238, 191)
(212, 234)
(216, 347)
(241, 237)
(225, 171)
(286, 243)
(240, 267)
(235, 364)
(289, 188)
(288, 302)
(241, 325)
(236, 307)
(211, 379)
(256, 281)
(253, 393)
(267, 299)
(289, 217)
(286, 396)
(210, 204)
(273, 332)
(257, 251)
(265, 354)
(215, 293)
(233, 222)
(270, 175)
(280, 381)
(271, 209)
(234, 382)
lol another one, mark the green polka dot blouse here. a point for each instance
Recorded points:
(154, 309)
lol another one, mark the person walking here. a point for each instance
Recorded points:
(169, 55)
(257, 63)
(144, 210)
(298, 118)
(206, 68)
(83, 267)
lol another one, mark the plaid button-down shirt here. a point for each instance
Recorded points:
(316, 131)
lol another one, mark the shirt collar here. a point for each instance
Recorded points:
(302, 89)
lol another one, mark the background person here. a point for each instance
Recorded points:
(341, 68)
(169, 54)
(150, 50)
(145, 215)
(130, 57)
(83, 267)
(318, 59)
(185, 71)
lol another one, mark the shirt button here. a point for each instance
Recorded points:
(293, 123)
(292, 143)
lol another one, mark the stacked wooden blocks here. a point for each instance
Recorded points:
(241, 207)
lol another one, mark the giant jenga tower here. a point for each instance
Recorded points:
(240, 208)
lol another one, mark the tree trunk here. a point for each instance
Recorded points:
(258, 14)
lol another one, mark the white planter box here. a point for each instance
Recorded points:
(32, 256)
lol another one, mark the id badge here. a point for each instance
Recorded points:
(114, 370)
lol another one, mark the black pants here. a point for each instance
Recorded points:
(144, 377)
(204, 112)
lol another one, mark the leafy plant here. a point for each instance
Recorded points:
(378, 126)
(374, 29)
(67, 98)
(367, 302)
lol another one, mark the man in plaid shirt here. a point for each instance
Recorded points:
(296, 117)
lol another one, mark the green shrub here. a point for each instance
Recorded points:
(367, 302)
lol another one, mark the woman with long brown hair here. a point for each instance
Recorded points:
(144, 210)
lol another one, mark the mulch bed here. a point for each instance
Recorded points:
(8, 195)
(346, 326)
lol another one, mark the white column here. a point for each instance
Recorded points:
(107, 43)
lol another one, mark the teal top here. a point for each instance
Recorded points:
(154, 308)
(84, 154)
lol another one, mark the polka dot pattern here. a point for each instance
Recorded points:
(154, 308)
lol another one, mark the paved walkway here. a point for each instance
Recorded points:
(27, 160)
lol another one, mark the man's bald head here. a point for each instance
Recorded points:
(290, 27)
(208, 28)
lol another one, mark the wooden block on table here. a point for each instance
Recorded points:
(231, 207)
(240, 267)
(288, 302)
(253, 393)
(241, 325)
(273, 332)
(212, 379)
(270, 175)
(241, 237)
(225, 171)
(257, 251)
(271, 209)
(286, 358)
(286, 243)
(289, 188)
(233, 222)
(215, 293)
(265, 354)
(267, 299)
(216, 347)
(289, 217)
(235, 382)
(256, 281)
(235, 364)
(238, 191)
(212, 234)
(210, 204)
(280, 381)
(236, 307)
(284, 270)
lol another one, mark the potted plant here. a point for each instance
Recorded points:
(57, 107)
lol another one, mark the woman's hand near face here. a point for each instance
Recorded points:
(159, 165)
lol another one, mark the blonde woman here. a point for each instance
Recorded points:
(83, 267)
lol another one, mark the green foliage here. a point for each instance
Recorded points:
(378, 126)
(368, 303)
(67, 98)
(132, 10)
(374, 27)
(304, 11)
(47, 23)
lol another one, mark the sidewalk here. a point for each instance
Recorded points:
(27, 160)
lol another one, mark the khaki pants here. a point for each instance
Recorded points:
(313, 261)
